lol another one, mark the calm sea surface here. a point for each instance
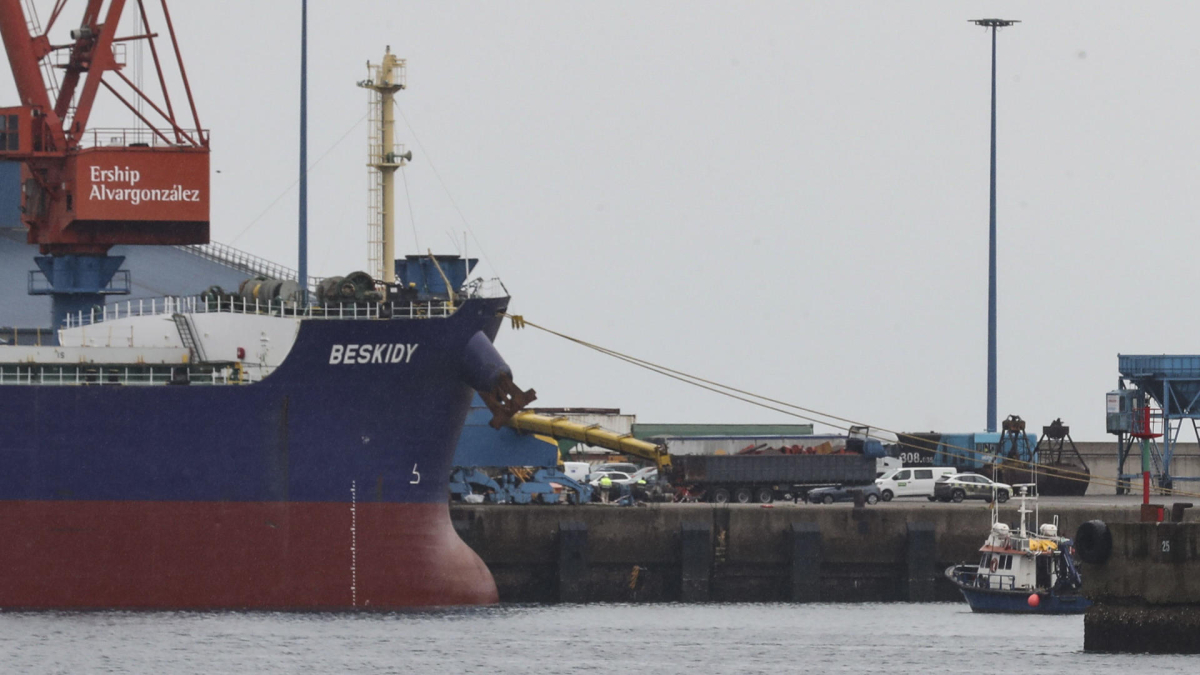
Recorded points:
(593, 639)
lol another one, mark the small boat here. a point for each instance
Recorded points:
(1022, 572)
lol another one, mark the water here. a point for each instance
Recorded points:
(592, 639)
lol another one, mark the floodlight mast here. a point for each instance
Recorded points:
(991, 385)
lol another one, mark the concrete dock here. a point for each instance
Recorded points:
(1146, 590)
(745, 553)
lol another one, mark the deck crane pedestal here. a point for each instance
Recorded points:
(85, 190)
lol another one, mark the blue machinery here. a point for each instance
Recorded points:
(1171, 382)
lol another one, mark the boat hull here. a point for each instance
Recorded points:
(323, 486)
(1007, 602)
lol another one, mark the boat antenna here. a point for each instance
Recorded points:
(302, 268)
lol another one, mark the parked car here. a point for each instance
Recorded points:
(623, 467)
(911, 482)
(843, 493)
(617, 477)
(962, 486)
(648, 474)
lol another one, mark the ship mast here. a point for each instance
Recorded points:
(384, 156)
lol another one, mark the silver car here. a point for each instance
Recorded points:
(962, 486)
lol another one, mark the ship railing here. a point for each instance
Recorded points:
(244, 262)
(238, 305)
(136, 375)
(143, 137)
(993, 580)
(484, 288)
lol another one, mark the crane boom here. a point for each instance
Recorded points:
(594, 434)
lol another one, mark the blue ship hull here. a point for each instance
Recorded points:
(322, 486)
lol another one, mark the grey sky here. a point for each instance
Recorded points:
(787, 197)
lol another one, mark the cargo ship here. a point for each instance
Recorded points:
(283, 446)
(299, 462)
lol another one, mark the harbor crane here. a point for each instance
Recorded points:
(86, 189)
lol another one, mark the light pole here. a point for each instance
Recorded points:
(302, 268)
(991, 385)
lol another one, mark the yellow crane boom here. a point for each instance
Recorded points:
(593, 434)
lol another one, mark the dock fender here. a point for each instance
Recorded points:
(1093, 541)
(481, 366)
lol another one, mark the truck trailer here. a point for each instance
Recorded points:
(764, 478)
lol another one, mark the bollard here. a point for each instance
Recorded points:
(921, 559)
(860, 500)
(695, 560)
(572, 561)
(1177, 511)
(805, 547)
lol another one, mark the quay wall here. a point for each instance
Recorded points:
(1147, 590)
(738, 553)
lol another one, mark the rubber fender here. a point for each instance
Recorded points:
(1093, 541)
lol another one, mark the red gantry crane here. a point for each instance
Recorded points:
(85, 190)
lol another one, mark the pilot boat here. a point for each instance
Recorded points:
(1022, 571)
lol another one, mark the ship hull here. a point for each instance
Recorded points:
(235, 555)
(324, 486)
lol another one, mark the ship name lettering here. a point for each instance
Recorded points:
(385, 352)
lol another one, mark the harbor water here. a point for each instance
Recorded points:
(645, 639)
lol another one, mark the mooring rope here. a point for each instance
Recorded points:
(841, 423)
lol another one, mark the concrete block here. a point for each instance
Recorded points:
(1171, 543)
(572, 561)
(696, 558)
(804, 543)
(1173, 629)
(920, 562)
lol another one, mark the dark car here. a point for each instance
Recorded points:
(843, 493)
(970, 486)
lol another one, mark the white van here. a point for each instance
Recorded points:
(577, 471)
(914, 481)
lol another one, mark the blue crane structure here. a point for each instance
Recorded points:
(1172, 382)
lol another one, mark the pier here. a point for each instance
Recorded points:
(747, 553)
(1146, 589)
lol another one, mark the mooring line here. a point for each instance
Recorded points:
(519, 321)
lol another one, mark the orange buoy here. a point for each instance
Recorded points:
(1034, 600)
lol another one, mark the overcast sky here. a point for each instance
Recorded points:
(788, 197)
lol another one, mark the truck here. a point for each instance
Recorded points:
(764, 478)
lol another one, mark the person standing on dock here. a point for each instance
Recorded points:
(605, 488)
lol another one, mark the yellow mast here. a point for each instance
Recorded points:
(384, 157)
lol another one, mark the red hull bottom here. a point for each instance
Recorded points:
(235, 555)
